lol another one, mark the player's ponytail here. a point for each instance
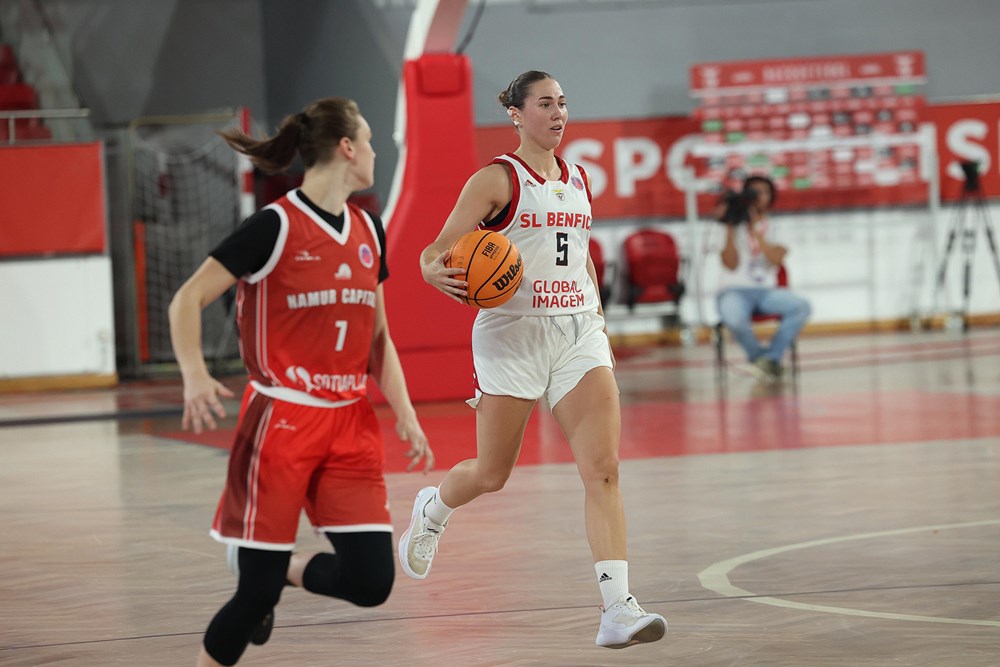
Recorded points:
(312, 133)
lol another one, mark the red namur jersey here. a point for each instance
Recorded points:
(307, 318)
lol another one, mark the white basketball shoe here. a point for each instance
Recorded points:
(419, 543)
(626, 623)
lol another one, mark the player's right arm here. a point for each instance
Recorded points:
(484, 195)
(244, 252)
(201, 390)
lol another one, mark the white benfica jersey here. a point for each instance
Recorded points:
(549, 222)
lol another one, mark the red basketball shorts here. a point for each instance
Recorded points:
(288, 457)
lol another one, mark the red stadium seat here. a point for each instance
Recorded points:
(600, 267)
(7, 57)
(9, 75)
(720, 348)
(653, 266)
(19, 96)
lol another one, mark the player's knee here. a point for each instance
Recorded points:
(491, 481)
(261, 599)
(375, 588)
(602, 470)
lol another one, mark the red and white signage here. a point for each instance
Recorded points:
(637, 166)
(709, 79)
(967, 133)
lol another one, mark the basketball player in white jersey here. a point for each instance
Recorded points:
(548, 340)
(313, 328)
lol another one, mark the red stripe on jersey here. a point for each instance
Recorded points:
(586, 183)
(253, 475)
(244, 462)
(532, 172)
(563, 169)
(515, 198)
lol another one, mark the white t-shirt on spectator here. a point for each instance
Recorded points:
(753, 269)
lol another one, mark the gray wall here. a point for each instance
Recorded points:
(345, 48)
(631, 59)
(614, 59)
(133, 58)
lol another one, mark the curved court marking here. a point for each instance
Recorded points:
(715, 577)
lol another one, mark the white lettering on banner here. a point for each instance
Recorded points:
(583, 152)
(806, 72)
(959, 141)
(627, 169)
(677, 171)
(640, 168)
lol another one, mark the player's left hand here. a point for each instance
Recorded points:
(408, 430)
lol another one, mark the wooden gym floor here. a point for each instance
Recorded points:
(851, 518)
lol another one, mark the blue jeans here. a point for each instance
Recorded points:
(737, 305)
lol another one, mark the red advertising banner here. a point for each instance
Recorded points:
(53, 199)
(902, 67)
(637, 166)
(629, 161)
(967, 133)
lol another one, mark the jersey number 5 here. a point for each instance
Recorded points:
(562, 249)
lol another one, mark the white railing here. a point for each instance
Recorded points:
(10, 118)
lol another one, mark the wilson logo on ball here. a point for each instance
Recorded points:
(513, 272)
(492, 265)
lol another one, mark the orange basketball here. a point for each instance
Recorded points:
(492, 267)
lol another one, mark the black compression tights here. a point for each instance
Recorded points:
(361, 571)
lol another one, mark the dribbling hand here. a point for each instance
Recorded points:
(436, 274)
(201, 400)
(409, 431)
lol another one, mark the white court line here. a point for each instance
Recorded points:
(715, 577)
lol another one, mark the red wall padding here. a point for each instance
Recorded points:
(431, 332)
(52, 200)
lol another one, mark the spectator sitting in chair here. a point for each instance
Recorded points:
(749, 282)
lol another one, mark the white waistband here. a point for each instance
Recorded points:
(290, 395)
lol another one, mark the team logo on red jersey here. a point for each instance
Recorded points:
(366, 256)
(285, 426)
(343, 272)
(577, 183)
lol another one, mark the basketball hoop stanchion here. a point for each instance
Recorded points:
(698, 249)
(925, 237)
(244, 170)
(971, 209)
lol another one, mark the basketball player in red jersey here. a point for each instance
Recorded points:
(548, 340)
(312, 322)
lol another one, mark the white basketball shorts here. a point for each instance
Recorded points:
(530, 357)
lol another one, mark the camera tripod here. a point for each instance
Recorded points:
(971, 209)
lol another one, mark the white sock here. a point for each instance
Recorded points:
(612, 577)
(437, 511)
